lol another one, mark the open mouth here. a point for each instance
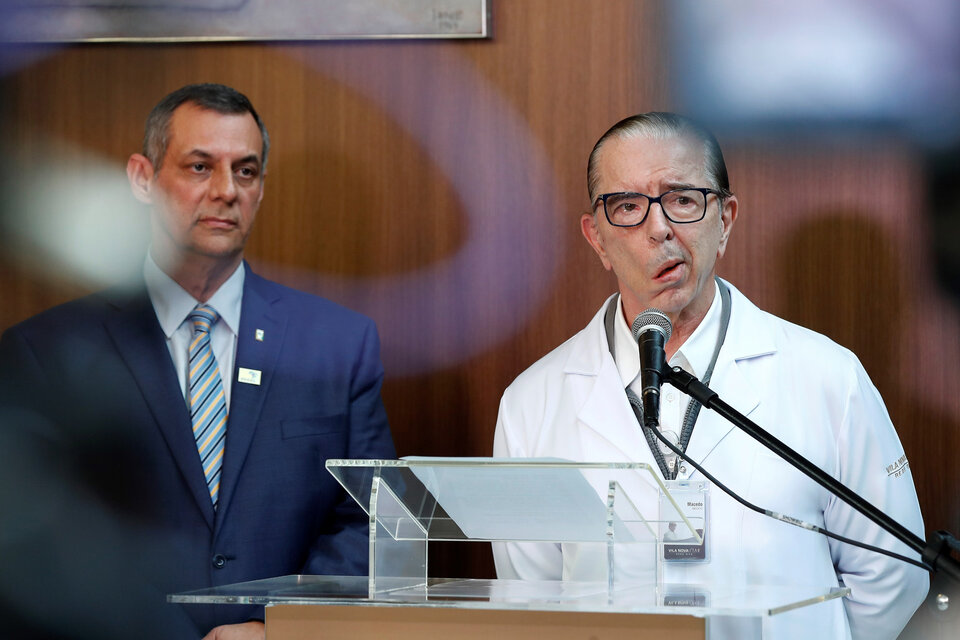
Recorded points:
(669, 269)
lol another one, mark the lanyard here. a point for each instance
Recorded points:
(693, 408)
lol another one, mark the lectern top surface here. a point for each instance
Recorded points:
(685, 599)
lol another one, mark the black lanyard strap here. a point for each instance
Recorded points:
(693, 408)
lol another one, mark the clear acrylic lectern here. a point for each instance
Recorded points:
(621, 511)
(621, 515)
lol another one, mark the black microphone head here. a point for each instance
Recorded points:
(652, 319)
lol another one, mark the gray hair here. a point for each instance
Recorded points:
(660, 125)
(215, 97)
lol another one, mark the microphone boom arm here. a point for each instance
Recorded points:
(932, 554)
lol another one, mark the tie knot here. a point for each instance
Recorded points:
(203, 317)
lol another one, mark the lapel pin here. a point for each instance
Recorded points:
(248, 376)
(258, 335)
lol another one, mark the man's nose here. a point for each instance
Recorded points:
(223, 186)
(657, 226)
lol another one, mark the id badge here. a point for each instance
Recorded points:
(680, 544)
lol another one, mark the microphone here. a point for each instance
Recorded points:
(651, 329)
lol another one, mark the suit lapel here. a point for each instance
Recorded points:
(142, 346)
(246, 401)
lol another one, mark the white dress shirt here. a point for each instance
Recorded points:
(173, 305)
(693, 356)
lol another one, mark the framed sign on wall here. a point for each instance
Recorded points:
(235, 20)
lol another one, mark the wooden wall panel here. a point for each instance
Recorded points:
(437, 186)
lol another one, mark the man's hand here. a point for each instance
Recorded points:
(245, 631)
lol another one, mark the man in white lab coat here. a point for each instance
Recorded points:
(662, 213)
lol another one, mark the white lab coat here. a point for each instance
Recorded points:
(803, 388)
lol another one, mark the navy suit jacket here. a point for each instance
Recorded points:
(101, 367)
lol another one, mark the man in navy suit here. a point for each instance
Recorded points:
(292, 379)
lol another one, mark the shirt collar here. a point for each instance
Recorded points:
(173, 304)
(697, 351)
(693, 355)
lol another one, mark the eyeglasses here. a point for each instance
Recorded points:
(682, 206)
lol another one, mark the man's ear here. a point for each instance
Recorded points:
(140, 174)
(588, 226)
(728, 215)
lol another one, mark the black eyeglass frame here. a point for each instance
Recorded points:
(651, 200)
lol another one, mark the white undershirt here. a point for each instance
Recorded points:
(173, 305)
(693, 356)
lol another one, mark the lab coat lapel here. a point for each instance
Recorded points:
(608, 427)
(747, 337)
(711, 428)
(610, 432)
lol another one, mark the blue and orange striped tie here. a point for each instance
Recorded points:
(208, 405)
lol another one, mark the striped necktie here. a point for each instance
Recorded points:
(208, 406)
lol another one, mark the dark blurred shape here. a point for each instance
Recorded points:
(943, 204)
(74, 555)
(939, 616)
